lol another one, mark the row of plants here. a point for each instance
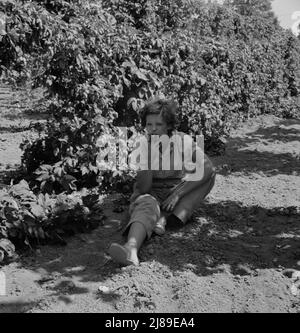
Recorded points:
(28, 219)
(101, 60)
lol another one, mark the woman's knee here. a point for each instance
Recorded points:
(141, 200)
(209, 183)
(146, 206)
(213, 175)
(208, 186)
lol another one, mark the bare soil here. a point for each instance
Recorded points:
(236, 255)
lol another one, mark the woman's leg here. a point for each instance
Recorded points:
(144, 213)
(136, 236)
(191, 201)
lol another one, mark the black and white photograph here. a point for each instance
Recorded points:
(149, 159)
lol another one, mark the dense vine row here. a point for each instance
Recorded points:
(100, 61)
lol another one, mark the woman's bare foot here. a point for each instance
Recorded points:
(124, 254)
(160, 227)
(133, 257)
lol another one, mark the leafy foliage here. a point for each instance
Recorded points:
(26, 218)
(100, 62)
(108, 59)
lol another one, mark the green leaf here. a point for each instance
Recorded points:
(68, 182)
(30, 230)
(84, 170)
(134, 105)
(36, 233)
(58, 171)
(41, 233)
(45, 167)
(56, 151)
(27, 213)
(43, 184)
(127, 82)
(140, 75)
(7, 246)
(37, 210)
(1, 256)
(43, 177)
(202, 81)
(41, 199)
(128, 64)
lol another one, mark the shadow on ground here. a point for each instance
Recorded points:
(17, 306)
(224, 235)
(264, 149)
(227, 234)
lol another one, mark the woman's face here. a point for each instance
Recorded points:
(155, 125)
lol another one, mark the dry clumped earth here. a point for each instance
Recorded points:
(240, 252)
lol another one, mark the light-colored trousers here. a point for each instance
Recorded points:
(146, 209)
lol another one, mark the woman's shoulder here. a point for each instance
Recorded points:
(175, 132)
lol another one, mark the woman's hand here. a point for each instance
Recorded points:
(169, 204)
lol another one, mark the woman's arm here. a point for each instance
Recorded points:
(187, 186)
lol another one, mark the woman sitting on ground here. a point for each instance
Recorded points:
(163, 197)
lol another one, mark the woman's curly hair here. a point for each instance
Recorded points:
(168, 110)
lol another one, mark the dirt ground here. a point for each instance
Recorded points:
(237, 255)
